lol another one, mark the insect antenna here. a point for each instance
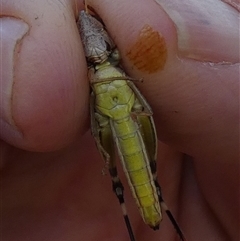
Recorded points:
(90, 10)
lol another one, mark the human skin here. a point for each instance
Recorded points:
(52, 187)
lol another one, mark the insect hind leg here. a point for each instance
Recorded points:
(153, 166)
(118, 190)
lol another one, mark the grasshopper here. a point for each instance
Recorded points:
(122, 119)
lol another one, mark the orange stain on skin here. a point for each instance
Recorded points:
(149, 52)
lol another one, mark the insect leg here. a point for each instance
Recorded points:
(143, 114)
(147, 128)
(101, 130)
(146, 109)
(118, 189)
(163, 204)
(151, 145)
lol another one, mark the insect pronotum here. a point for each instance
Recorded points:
(122, 119)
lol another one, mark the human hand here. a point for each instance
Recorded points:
(51, 181)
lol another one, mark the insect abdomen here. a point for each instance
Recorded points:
(136, 166)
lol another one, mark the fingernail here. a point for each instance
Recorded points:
(206, 30)
(12, 31)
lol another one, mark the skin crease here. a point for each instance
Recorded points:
(52, 187)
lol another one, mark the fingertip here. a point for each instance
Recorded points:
(189, 97)
(202, 33)
(49, 95)
(143, 33)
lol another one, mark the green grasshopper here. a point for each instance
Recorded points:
(122, 119)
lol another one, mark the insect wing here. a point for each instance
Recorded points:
(101, 131)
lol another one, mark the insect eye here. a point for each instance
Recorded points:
(108, 46)
(115, 55)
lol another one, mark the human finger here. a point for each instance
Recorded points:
(44, 85)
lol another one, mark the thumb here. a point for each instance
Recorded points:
(44, 89)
